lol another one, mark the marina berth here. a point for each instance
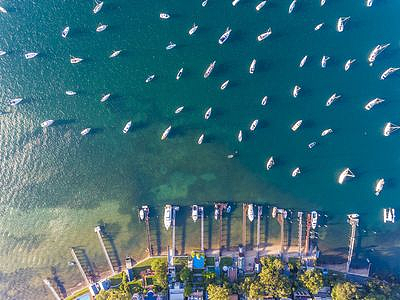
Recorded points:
(375, 52)
(216, 212)
(166, 132)
(195, 213)
(250, 212)
(379, 186)
(260, 5)
(344, 174)
(373, 102)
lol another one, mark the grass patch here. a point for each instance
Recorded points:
(146, 264)
(78, 293)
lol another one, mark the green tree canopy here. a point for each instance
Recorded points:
(209, 277)
(312, 280)
(160, 268)
(185, 274)
(272, 280)
(216, 292)
(345, 291)
(113, 295)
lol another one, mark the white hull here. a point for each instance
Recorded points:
(179, 74)
(319, 26)
(98, 7)
(195, 213)
(127, 127)
(250, 212)
(150, 78)
(324, 60)
(296, 91)
(75, 60)
(346, 173)
(292, 6)
(164, 16)
(314, 219)
(31, 55)
(295, 172)
(372, 103)
(264, 35)
(375, 52)
(252, 66)
(15, 101)
(326, 132)
(260, 5)
(179, 109)
(388, 72)
(209, 69)
(167, 216)
(225, 36)
(65, 32)
(379, 186)
(234, 2)
(85, 131)
(193, 29)
(165, 133)
(303, 61)
(297, 125)
(224, 85)
(105, 98)
(348, 64)
(208, 113)
(253, 125)
(47, 123)
(170, 46)
(270, 163)
(200, 140)
(264, 100)
(240, 136)
(101, 28)
(115, 53)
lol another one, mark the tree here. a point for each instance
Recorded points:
(124, 286)
(188, 289)
(345, 291)
(312, 280)
(244, 287)
(274, 283)
(209, 277)
(255, 290)
(113, 295)
(185, 274)
(216, 292)
(160, 269)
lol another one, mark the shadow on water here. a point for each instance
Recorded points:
(157, 230)
(64, 122)
(266, 224)
(58, 282)
(87, 266)
(289, 233)
(210, 223)
(182, 223)
(229, 228)
(250, 244)
(110, 244)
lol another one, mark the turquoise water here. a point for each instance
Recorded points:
(56, 185)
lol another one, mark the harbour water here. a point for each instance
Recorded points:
(56, 186)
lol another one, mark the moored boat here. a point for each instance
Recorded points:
(326, 132)
(3, 10)
(70, 93)
(166, 132)
(179, 109)
(379, 186)
(150, 78)
(193, 29)
(105, 97)
(296, 91)
(319, 26)
(252, 66)
(296, 125)
(389, 128)
(340, 23)
(179, 74)
(250, 212)
(85, 131)
(204, 3)
(115, 53)
(375, 52)
(260, 5)
(253, 125)
(167, 216)
(75, 60)
(348, 64)
(373, 102)
(224, 85)
(195, 213)
(388, 72)
(216, 212)
(2, 52)
(225, 36)
(240, 136)
(164, 16)
(332, 98)
(264, 100)
(209, 69)
(303, 61)
(312, 145)
(15, 101)
(264, 35)
(389, 215)
(314, 219)
(127, 127)
(208, 113)
(47, 123)
(345, 173)
(101, 27)
(296, 172)
(323, 2)
(200, 140)
(292, 6)
(369, 3)
(30, 55)
(170, 46)
(98, 7)
(324, 60)
(270, 163)
(234, 2)
(65, 32)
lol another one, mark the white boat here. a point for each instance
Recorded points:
(65, 32)
(303, 61)
(369, 3)
(179, 74)
(331, 99)
(296, 125)
(319, 26)
(170, 46)
(195, 213)
(291, 6)
(389, 128)
(115, 53)
(150, 78)
(312, 145)
(296, 91)
(250, 212)
(2, 52)
(15, 101)
(85, 131)
(179, 109)
(373, 102)
(216, 212)
(234, 2)
(348, 64)
(379, 186)
(209, 69)
(326, 132)
(253, 125)
(200, 140)
(296, 172)
(101, 27)
(166, 132)
(75, 60)
(208, 113)
(264, 100)
(389, 215)
(3, 10)
(340, 23)
(260, 5)
(324, 60)
(70, 93)
(225, 36)
(193, 29)
(240, 136)
(264, 35)
(167, 216)
(345, 173)
(270, 163)
(314, 219)
(105, 98)
(30, 55)
(127, 127)
(375, 52)
(224, 85)
(388, 72)
(141, 214)
(47, 123)
(98, 7)
(164, 16)
(252, 66)
(274, 212)
(323, 2)
(204, 3)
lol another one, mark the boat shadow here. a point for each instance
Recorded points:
(210, 222)
(177, 131)
(181, 222)
(156, 228)
(108, 237)
(97, 130)
(59, 284)
(64, 122)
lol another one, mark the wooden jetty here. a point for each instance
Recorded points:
(99, 232)
(244, 222)
(353, 221)
(220, 207)
(201, 210)
(308, 229)
(300, 232)
(78, 263)
(259, 214)
(281, 222)
(52, 289)
(148, 234)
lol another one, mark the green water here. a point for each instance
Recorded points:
(55, 185)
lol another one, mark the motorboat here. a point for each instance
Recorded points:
(65, 32)
(150, 78)
(209, 69)
(127, 127)
(296, 172)
(389, 128)
(379, 186)
(340, 23)
(101, 27)
(369, 3)
(170, 46)
(216, 212)
(204, 3)
(270, 163)
(75, 60)
(274, 212)
(389, 215)
(253, 125)
(264, 100)
(15, 101)
(296, 125)
(326, 132)
(179, 109)
(179, 74)
(200, 140)
(208, 113)
(319, 26)
(47, 123)
(141, 214)
(234, 2)
(291, 6)
(260, 5)
(345, 173)
(30, 55)
(331, 99)
(388, 72)
(312, 145)
(264, 35)
(324, 60)
(85, 131)
(348, 64)
(167, 216)
(323, 2)
(296, 91)
(303, 61)
(195, 213)
(252, 66)
(250, 212)
(3, 10)
(166, 132)
(225, 36)
(115, 53)
(2, 52)
(373, 102)
(105, 98)
(240, 136)
(375, 52)
(193, 29)
(98, 7)
(164, 16)
(314, 219)
(70, 93)
(224, 85)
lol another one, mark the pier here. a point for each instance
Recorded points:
(244, 226)
(259, 214)
(308, 229)
(281, 222)
(300, 233)
(98, 230)
(201, 210)
(220, 207)
(148, 234)
(78, 263)
(353, 221)
(51, 288)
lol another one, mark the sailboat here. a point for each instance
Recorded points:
(295, 172)
(193, 29)
(200, 140)
(209, 69)
(167, 216)
(291, 6)
(250, 212)
(264, 35)
(340, 23)
(388, 72)
(345, 173)
(389, 128)
(150, 78)
(252, 66)
(373, 102)
(348, 64)
(204, 3)
(75, 60)
(331, 99)
(326, 132)
(70, 93)
(208, 113)
(240, 136)
(270, 163)
(324, 60)
(127, 127)
(224, 85)
(296, 91)
(323, 2)
(101, 27)
(170, 46)
(319, 26)
(179, 74)
(166, 132)
(225, 36)
(253, 125)
(296, 125)
(30, 55)
(375, 52)
(264, 100)
(65, 32)
(47, 123)
(234, 2)
(15, 101)
(369, 3)
(379, 186)
(303, 61)
(260, 5)
(98, 7)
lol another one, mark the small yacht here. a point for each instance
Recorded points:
(179, 109)
(164, 16)
(150, 78)
(291, 6)
(373, 102)
(234, 2)
(193, 29)
(296, 91)
(326, 132)
(369, 3)
(204, 3)
(30, 55)
(324, 60)
(388, 72)
(319, 26)
(250, 212)
(296, 172)
(312, 145)
(303, 61)
(115, 53)
(379, 186)
(127, 127)
(141, 214)
(389, 215)
(346, 173)
(270, 163)
(101, 27)
(314, 219)
(323, 2)
(332, 98)
(260, 5)
(264, 35)
(75, 60)
(216, 212)
(98, 7)
(340, 23)
(65, 32)
(208, 113)
(167, 216)
(253, 125)
(195, 213)
(3, 10)
(389, 128)
(70, 93)
(225, 36)
(252, 66)
(166, 132)
(179, 74)
(264, 100)
(240, 136)
(209, 69)
(274, 212)
(47, 123)
(105, 98)
(296, 125)
(2, 52)
(15, 101)
(170, 46)
(375, 52)
(200, 140)
(224, 85)
(85, 131)
(348, 64)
